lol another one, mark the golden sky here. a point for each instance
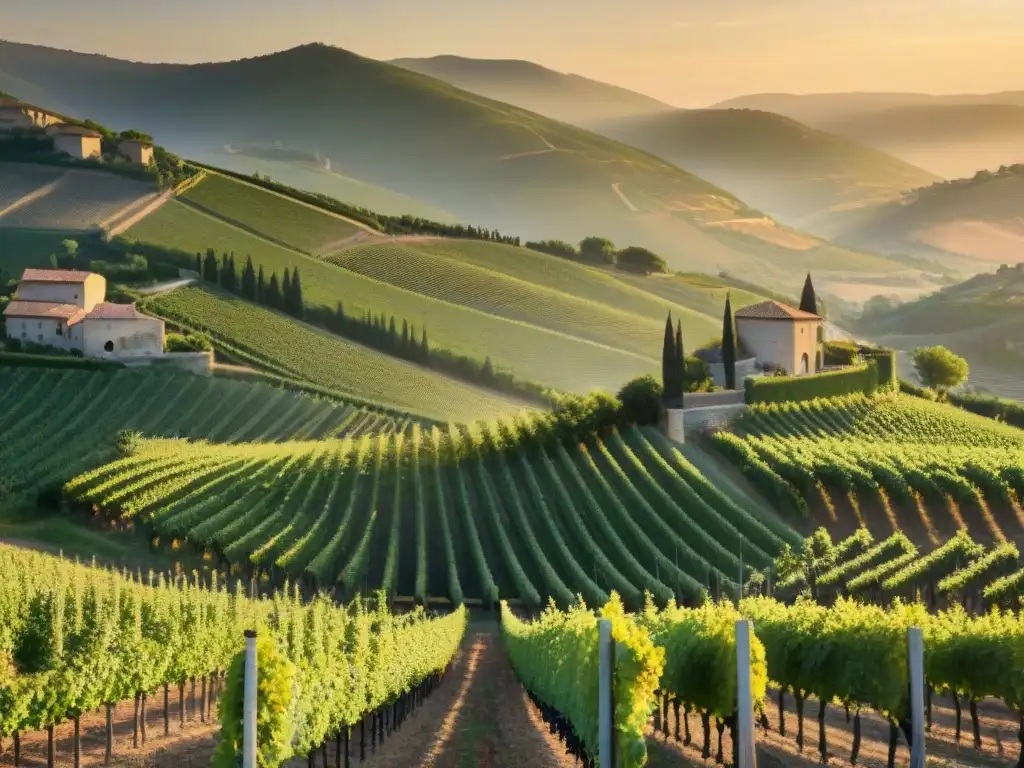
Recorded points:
(685, 52)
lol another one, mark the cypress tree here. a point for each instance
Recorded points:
(680, 364)
(199, 264)
(273, 293)
(298, 309)
(249, 280)
(488, 369)
(340, 314)
(261, 287)
(393, 334)
(424, 345)
(809, 300)
(668, 361)
(729, 344)
(210, 266)
(286, 291)
(405, 336)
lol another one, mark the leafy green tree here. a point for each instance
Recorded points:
(809, 301)
(597, 250)
(68, 254)
(729, 344)
(637, 259)
(642, 400)
(939, 368)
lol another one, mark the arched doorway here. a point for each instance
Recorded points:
(805, 364)
(109, 347)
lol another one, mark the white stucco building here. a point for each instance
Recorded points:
(780, 336)
(138, 152)
(66, 309)
(74, 140)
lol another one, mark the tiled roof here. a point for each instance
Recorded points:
(108, 311)
(54, 275)
(60, 129)
(775, 310)
(44, 310)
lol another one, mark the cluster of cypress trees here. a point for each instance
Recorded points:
(380, 333)
(673, 365)
(284, 295)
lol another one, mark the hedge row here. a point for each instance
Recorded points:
(862, 378)
(851, 353)
(23, 360)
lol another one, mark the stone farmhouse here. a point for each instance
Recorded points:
(70, 139)
(66, 309)
(80, 143)
(780, 336)
(771, 336)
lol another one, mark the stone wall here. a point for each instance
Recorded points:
(697, 420)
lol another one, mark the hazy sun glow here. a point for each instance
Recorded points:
(687, 53)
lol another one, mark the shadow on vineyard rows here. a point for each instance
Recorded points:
(998, 730)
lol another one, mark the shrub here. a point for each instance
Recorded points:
(128, 441)
(858, 379)
(909, 388)
(1009, 411)
(841, 353)
(641, 400)
(192, 342)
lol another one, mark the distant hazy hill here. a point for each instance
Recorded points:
(815, 108)
(952, 135)
(570, 98)
(982, 319)
(950, 139)
(781, 166)
(484, 161)
(981, 217)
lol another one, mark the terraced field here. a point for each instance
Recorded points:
(298, 351)
(278, 218)
(422, 268)
(57, 423)
(445, 514)
(532, 352)
(893, 463)
(72, 200)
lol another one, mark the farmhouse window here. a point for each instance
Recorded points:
(60, 331)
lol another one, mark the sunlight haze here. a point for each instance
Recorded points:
(685, 53)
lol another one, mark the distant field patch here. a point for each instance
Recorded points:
(302, 352)
(20, 248)
(279, 218)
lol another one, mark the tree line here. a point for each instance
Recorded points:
(601, 251)
(389, 334)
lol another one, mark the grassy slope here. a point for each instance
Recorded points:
(308, 354)
(617, 316)
(528, 350)
(276, 217)
(485, 161)
(779, 165)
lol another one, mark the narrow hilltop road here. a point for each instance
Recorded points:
(480, 716)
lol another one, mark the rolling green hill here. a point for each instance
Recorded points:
(487, 162)
(981, 319)
(569, 98)
(785, 168)
(292, 349)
